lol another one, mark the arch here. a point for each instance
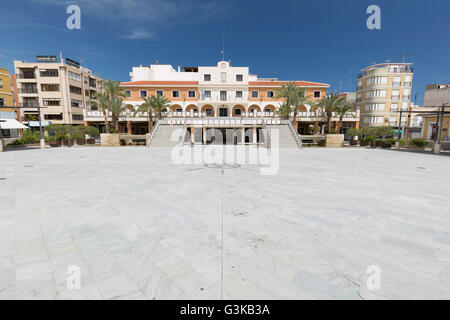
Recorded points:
(191, 107)
(131, 107)
(238, 107)
(271, 107)
(255, 107)
(207, 107)
(174, 107)
(302, 109)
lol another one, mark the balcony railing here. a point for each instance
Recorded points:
(26, 76)
(30, 104)
(27, 90)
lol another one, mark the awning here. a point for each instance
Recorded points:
(11, 124)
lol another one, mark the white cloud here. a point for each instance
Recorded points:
(145, 18)
(140, 34)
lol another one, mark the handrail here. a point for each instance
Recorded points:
(266, 133)
(152, 134)
(294, 133)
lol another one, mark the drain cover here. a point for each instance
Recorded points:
(222, 166)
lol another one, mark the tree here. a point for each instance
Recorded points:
(284, 110)
(294, 98)
(329, 104)
(341, 111)
(147, 106)
(116, 108)
(153, 104)
(102, 101)
(316, 108)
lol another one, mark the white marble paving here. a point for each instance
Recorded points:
(140, 227)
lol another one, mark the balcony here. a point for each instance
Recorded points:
(396, 84)
(26, 76)
(30, 104)
(27, 90)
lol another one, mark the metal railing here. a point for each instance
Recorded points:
(152, 134)
(27, 90)
(266, 134)
(294, 133)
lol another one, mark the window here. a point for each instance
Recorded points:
(86, 93)
(269, 94)
(405, 106)
(207, 94)
(78, 117)
(143, 93)
(223, 76)
(2, 102)
(239, 78)
(74, 76)
(191, 94)
(208, 112)
(377, 80)
(373, 119)
(53, 116)
(267, 111)
(317, 94)
(160, 93)
(179, 110)
(76, 103)
(223, 96)
(1, 83)
(375, 107)
(50, 87)
(254, 94)
(238, 112)
(49, 72)
(239, 94)
(206, 77)
(85, 79)
(377, 94)
(394, 107)
(127, 93)
(396, 82)
(51, 102)
(75, 90)
(175, 94)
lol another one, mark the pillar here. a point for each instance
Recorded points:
(243, 136)
(129, 127)
(204, 135)
(192, 135)
(254, 135)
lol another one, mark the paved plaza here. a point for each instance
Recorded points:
(140, 227)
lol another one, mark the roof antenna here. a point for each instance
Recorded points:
(223, 43)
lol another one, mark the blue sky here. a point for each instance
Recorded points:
(325, 41)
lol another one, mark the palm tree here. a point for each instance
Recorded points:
(116, 108)
(342, 110)
(294, 98)
(317, 108)
(284, 110)
(147, 106)
(160, 103)
(329, 104)
(153, 104)
(101, 100)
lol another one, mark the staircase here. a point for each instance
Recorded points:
(286, 139)
(163, 136)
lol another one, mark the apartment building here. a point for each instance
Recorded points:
(64, 89)
(436, 95)
(221, 91)
(382, 91)
(6, 92)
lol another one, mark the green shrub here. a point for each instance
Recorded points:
(419, 143)
(369, 138)
(402, 142)
(112, 130)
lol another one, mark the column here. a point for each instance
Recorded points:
(243, 136)
(192, 135)
(129, 127)
(254, 135)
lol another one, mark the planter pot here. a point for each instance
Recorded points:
(90, 141)
(354, 142)
(373, 144)
(81, 142)
(59, 143)
(364, 143)
(53, 143)
(110, 139)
